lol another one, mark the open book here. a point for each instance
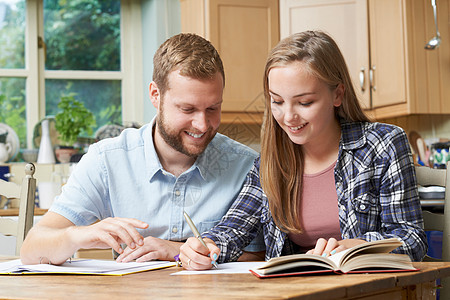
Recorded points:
(364, 258)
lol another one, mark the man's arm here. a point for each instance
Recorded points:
(54, 239)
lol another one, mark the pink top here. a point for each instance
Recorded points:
(319, 209)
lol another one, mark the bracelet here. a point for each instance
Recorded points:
(178, 260)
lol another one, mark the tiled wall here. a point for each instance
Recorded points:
(246, 134)
(430, 127)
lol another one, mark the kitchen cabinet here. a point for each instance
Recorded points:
(243, 32)
(388, 58)
(345, 21)
(383, 43)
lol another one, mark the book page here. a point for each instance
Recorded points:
(278, 264)
(336, 258)
(379, 246)
(381, 261)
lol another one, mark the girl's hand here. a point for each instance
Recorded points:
(195, 256)
(332, 246)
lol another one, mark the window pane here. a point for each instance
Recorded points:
(12, 106)
(101, 97)
(82, 34)
(12, 34)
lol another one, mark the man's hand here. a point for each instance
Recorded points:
(55, 238)
(108, 233)
(152, 249)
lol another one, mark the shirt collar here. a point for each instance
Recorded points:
(151, 157)
(353, 135)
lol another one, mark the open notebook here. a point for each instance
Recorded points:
(85, 267)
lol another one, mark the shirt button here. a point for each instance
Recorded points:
(346, 236)
(177, 193)
(343, 208)
(174, 229)
(362, 207)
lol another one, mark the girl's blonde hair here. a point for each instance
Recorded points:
(282, 161)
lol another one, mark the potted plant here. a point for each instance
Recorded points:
(72, 120)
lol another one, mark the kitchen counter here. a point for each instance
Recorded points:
(15, 212)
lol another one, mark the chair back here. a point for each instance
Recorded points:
(438, 221)
(26, 193)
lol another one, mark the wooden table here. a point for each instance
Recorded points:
(159, 284)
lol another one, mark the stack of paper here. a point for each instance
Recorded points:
(85, 266)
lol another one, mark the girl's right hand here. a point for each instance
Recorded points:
(195, 256)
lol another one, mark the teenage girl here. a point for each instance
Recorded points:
(328, 178)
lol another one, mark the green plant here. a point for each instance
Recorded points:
(73, 119)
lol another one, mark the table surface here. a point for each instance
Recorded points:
(160, 284)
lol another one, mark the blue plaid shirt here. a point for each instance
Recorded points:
(377, 197)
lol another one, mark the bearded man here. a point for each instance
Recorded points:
(133, 189)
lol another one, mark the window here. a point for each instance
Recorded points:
(51, 48)
(12, 63)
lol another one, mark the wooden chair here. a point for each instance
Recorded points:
(438, 221)
(26, 192)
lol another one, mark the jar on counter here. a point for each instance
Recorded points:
(440, 155)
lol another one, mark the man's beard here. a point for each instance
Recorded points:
(175, 140)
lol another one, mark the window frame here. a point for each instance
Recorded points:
(130, 74)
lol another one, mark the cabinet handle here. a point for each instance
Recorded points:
(372, 78)
(362, 79)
